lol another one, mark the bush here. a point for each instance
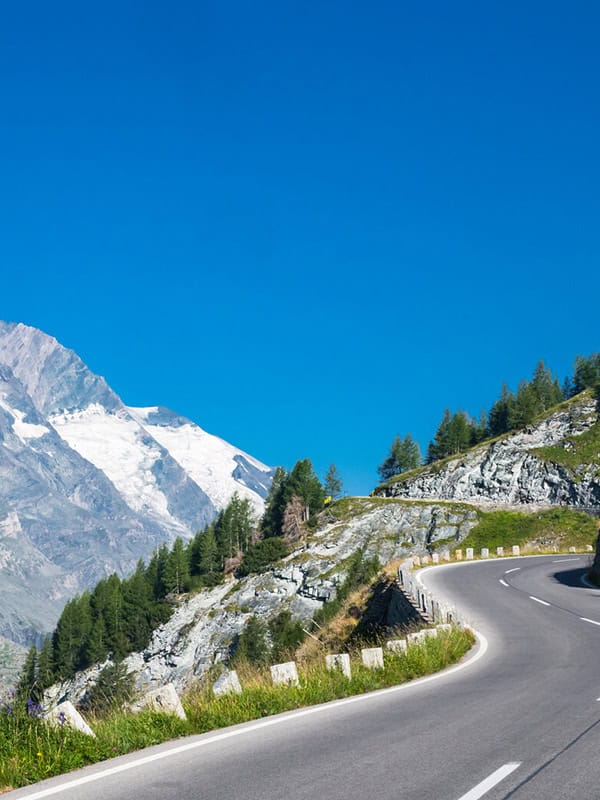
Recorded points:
(112, 690)
(252, 644)
(286, 634)
(261, 555)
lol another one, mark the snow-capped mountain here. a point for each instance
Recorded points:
(87, 485)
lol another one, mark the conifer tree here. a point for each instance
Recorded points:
(177, 571)
(276, 502)
(208, 561)
(28, 687)
(96, 648)
(333, 482)
(45, 667)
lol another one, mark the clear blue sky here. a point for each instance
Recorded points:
(307, 226)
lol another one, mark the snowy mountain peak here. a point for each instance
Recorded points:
(88, 485)
(54, 377)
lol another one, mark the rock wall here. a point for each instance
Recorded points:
(203, 629)
(507, 471)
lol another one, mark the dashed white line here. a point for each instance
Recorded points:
(491, 781)
(543, 602)
(514, 569)
(565, 560)
(504, 583)
(593, 621)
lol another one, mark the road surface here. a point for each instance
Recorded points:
(521, 720)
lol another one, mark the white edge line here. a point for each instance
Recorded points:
(503, 582)
(593, 621)
(491, 781)
(543, 602)
(265, 723)
(514, 569)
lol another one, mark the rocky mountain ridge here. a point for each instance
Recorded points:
(86, 488)
(442, 503)
(512, 470)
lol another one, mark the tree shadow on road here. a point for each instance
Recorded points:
(573, 577)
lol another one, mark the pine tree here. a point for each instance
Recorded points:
(440, 446)
(501, 412)
(586, 373)
(177, 572)
(45, 666)
(208, 560)
(96, 648)
(404, 455)
(275, 505)
(28, 687)
(304, 483)
(333, 482)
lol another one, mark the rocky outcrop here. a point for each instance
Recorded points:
(510, 471)
(203, 630)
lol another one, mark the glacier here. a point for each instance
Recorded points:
(89, 485)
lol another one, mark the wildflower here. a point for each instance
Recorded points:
(62, 718)
(39, 755)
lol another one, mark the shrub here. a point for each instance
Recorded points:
(111, 691)
(261, 555)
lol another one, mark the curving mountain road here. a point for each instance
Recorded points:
(520, 721)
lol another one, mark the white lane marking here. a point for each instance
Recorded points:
(514, 569)
(565, 560)
(504, 583)
(537, 600)
(206, 739)
(593, 621)
(491, 781)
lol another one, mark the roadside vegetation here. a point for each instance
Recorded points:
(31, 750)
(553, 528)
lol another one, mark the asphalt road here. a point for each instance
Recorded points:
(520, 721)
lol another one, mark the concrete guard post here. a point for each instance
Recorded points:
(372, 657)
(458, 555)
(285, 674)
(485, 553)
(396, 645)
(339, 661)
(470, 554)
(415, 638)
(435, 558)
(66, 714)
(516, 551)
(227, 683)
(499, 552)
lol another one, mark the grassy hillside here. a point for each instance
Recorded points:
(576, 453)
(555, 528)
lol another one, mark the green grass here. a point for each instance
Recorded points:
(556, 527)
(576, 453)
(31, 750)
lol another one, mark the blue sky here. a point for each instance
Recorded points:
(307, 226)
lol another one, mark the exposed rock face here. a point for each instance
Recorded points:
(89, 486)
(203, 629)
(507, 471)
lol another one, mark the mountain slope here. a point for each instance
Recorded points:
(519, 468)
(85, 488)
